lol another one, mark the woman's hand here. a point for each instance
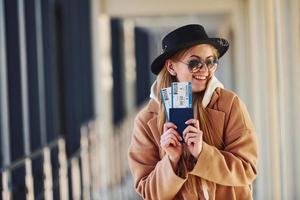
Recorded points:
(170, 143)
(193, 137)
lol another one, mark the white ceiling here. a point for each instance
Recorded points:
(125, 8)
(166, 23)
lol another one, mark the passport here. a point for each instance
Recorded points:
(179, 116)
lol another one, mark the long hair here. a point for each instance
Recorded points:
(187, 161)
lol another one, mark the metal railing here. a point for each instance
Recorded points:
(85, 167)
(26, 161)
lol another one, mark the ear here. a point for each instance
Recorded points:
(170, 67)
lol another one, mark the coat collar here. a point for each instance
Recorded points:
(153, 106)
(213, 84)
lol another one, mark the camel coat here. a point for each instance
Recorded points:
(227, 169)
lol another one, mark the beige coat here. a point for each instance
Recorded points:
(228, 171)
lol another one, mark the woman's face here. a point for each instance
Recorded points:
(199, 78)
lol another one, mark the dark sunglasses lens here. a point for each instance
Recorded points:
(194, 64)
(211, 62)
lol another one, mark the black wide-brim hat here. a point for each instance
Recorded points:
(185, 37)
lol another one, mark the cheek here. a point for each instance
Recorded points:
(184, 75)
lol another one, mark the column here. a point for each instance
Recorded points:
(102, 71)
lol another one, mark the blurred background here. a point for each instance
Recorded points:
(74, 73)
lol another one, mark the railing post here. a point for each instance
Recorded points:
(96, 167)
(76, 182)
(6, 185)
(29, 180)
(85, 163)
(48, 183)
(63, 170)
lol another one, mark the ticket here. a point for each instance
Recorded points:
(167, 99)
(181, 95)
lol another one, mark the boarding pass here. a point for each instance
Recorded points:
(181, 95)
(167, 99)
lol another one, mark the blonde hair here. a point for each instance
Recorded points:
(187, 161)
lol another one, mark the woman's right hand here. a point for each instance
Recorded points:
(170, 143)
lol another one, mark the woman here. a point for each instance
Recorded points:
(218, 157)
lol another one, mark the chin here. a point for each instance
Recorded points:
(198, 89)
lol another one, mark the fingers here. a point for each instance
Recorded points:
(168, 137)
(190, 129)
(190, 137)
(191, 141)
(169, 125)
(169, 141)
(193, 122)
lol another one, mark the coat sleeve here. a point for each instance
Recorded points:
(154, 178)
(236, 164)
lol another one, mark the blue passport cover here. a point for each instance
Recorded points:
(179, 116)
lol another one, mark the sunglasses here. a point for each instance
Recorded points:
(195, 65)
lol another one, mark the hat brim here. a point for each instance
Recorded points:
(220, 44)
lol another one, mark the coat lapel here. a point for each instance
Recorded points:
(216, 117)
(152, 124)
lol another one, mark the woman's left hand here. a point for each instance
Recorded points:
(193, 137)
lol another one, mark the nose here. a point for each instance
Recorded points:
(203, 68)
